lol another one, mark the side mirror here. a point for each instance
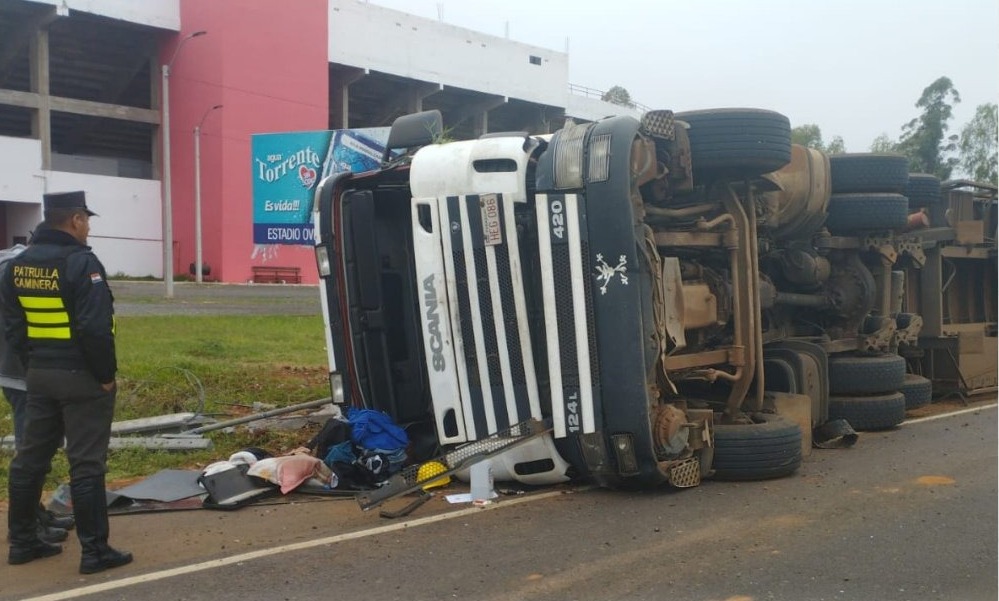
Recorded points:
(410, 131)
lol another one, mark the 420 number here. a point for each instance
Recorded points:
(556, 212)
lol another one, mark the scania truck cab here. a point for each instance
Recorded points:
(475, 285)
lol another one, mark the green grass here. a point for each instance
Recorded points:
(165, 362)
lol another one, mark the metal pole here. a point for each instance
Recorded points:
(197, 195)
(257, 416)
(197, 203)
(167, 200)
(167, 193)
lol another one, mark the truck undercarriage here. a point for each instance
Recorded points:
(681, 297)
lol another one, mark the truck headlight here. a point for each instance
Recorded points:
(323, 261)
(599, 168)
(336, 388)
(569, 157)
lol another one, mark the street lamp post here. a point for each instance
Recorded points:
(197, 194)
(167, 199)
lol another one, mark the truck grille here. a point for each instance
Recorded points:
(566, 290)
(491, 361)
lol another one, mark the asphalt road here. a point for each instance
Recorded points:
(909, 514)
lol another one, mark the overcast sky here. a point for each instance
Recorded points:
(855, 68)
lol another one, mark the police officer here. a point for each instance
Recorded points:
(51, 528)
(59, 318)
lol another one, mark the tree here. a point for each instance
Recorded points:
(924, 139)
(837, 146)
(617, 95)
(978, 145)
(884, 143)
(810, 135)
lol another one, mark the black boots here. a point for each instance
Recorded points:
(22, 522)
(51, 534)
(24, 552)
(52, 528)
(50, 520)
(30, 539)
(91, 512)
(48, 534)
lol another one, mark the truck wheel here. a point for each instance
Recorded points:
(770, 447)
(923, 190)
(849, 213)
(918, 391)
(850, 374)
(876, 412)
(869, 172)
(737, 143)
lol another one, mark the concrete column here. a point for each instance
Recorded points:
(481, 123)
(340, 96)
(41, 119)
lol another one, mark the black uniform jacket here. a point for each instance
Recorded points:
(58, 308)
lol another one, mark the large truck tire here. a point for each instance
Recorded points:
(770, 447)
(737, 143)
(875, 412)
(849, 374)
(923, 190)
(918, 391)
(869, 172)
(850, 213)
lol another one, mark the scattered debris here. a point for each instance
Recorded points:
(258, 416)
(174, 432)
(165, 485)
(161, 443)
(174, 422)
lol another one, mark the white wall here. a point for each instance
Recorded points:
(21, 170)
(128, 232)
(127, 236)
(164, 14)
(381, 39)
(593, 109)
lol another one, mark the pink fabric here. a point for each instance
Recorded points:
(290, 471)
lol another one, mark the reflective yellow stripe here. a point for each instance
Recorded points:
(52, 318)
(41, 302)
(56, 333)
(114, 324)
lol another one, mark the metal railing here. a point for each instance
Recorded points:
(586, 92)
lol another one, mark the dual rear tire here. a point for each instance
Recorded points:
(768, 447)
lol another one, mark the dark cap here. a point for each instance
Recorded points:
(66, 200)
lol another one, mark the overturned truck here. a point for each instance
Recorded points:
(645, 302)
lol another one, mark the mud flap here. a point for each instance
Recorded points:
(834, 434)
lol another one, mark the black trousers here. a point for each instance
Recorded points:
(62, 404)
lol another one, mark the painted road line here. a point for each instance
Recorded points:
(261, 553)
(930, 418)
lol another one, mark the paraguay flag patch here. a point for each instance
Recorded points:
(95, 278)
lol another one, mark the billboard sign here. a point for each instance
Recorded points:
(288, 166)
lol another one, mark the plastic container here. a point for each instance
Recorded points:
(482, 481)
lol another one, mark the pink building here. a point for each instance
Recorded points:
(81, 88)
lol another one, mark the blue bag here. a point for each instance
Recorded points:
(372, 429)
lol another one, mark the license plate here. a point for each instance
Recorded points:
(489, 206)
